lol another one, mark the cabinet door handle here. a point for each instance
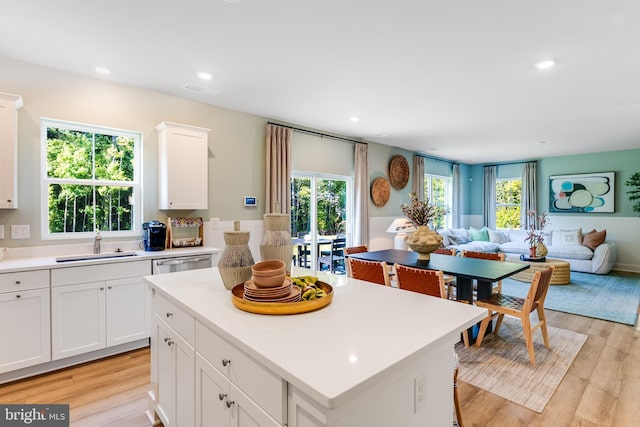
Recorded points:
(101, 288)
(221, 396)
(109, 287)
(169, 314)
(230, 403)
(225, 362)
(18, 282)
(18, 296)
(169, 342)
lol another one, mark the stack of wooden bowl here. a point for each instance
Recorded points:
(269, 283)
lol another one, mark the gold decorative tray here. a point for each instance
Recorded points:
(277, 308)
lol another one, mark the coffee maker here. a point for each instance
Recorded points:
(154, 235)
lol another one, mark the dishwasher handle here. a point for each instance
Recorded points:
(181, 261)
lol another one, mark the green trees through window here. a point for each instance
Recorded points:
(90, 178)
(508, 200)
(331, 212)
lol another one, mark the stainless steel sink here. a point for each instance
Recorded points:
(84, 257)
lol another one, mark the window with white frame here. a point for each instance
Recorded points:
(438, 190)
(508, 202)
(90, 180)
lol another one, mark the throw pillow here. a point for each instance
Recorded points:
(458, 239)
(497, 237)
(481, 235)
(594, 238)
(566, 237)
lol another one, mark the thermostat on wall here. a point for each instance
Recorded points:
(251, 201)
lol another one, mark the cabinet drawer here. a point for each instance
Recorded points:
(92, 273)
(266, 388)
(181, 321)
(24, 280)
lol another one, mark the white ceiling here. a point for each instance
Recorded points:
(451, 78)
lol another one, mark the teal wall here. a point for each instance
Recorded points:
(624, 163)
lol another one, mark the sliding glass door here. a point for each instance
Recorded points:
(320, 212)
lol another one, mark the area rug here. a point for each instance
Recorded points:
(501, 365)
(613, 296)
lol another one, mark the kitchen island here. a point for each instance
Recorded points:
(376, 356)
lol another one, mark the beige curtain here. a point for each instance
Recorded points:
(278, 190)
(529, 194)
(361, 190)
(417, 180)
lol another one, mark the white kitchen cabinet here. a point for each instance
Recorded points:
(261, 388)
(88, 315)
(24, 319)
(9, 106)
(172, 365)
(182, 169)
(219, 402)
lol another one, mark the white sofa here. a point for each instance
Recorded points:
(561, 244)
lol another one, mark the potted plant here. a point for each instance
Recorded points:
(420, 214)
(536, 234)
(634, 193)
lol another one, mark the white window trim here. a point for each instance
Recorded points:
(45, 181)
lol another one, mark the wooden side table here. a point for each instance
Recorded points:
(561, 274)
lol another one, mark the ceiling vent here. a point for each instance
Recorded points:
(194, 87)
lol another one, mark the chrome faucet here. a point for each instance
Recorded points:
(96, 243)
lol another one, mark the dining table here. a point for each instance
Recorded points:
(466, 270)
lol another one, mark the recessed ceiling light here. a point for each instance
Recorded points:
(547, 63)
(354, 118)
(204, 75)
(102, 70)
(543, 142)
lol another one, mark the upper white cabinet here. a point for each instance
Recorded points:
(9, 106)
(182, 168)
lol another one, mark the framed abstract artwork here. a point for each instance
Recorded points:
(584, 193)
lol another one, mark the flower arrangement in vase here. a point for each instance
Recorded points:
(536, 234)
(420, 214)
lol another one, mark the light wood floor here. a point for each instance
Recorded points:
(602, 387)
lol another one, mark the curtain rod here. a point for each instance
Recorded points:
(512, 163)
(438, 159)
(320, 134)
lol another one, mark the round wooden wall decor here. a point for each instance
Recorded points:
(399, 171)
(380, 191)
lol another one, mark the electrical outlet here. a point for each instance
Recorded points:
(419, 392)
(215, 223)
(20, 231)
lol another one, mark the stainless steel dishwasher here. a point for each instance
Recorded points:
(182, 263)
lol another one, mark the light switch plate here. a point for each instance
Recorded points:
(20, 231)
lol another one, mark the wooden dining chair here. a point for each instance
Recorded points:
(498, 305)
(335, 256)
(370, 271)
(428, 282)
(497, 287)
(354, 250)
(449, 280)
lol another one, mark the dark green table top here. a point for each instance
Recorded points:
(470, 268)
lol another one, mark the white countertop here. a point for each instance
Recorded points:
(37, 263)
(331, 354)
